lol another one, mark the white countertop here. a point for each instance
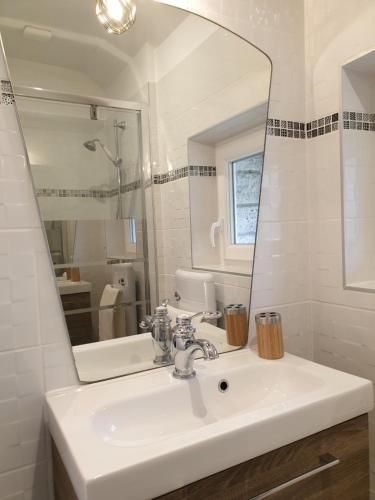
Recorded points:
(67, 287)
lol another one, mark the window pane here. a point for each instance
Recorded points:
(246, 175)
(132, 232)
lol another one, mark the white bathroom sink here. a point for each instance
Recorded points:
(147, 434)
(198, 404)
(116, 357)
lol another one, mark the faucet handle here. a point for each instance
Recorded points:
(146, 324)
(208, 315)
(184, 327)
(160, 312)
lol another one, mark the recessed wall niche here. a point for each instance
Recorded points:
(358, 172)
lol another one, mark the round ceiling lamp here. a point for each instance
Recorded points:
(117, 16)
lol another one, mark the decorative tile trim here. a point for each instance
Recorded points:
(72, 193)
(322, 126)
(299, 130)
(100, 194)
(7, 95)
(286, 128)
(180, 173)
(204, 171)
(172, 175)
(132, 186)
(353, 120)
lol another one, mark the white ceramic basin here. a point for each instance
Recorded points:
(198, 404)
(147, 434)
(116, 357)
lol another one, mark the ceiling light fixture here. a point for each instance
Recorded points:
(117, 16)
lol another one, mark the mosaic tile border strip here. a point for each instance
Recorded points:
(195, 171)
(322, 126)
(286, 128)
(173, 175)
(132, 186)
(100, 194)
(72, 193)
(7, 95)
(300, 130)
(354, 120)
(180, 173)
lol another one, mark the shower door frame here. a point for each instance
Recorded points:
(146, 170)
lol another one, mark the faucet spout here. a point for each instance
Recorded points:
(185, 346)
(208, 349)
(184, 359)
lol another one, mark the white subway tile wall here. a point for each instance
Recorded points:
(34, 351)
(343, 320)
(298, 265)
(281, 274)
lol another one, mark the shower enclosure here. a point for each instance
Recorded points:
(87, 159)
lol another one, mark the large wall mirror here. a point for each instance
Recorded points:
(146, 152)
(358, 173)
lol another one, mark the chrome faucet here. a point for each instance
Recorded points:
(185, 346)
(160, 327)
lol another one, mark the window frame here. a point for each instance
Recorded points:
(243, 145)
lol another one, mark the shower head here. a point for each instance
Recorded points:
(91, 146)
(121, 125)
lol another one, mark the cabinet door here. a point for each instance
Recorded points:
(79, 325)
(256, 479)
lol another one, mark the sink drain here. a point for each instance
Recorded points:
(223, 385)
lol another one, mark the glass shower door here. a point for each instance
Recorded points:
(86, 165)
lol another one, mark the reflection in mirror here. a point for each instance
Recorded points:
(146, 152)
(224, 209)
(358, 174)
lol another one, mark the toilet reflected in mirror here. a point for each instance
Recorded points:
(146, 153)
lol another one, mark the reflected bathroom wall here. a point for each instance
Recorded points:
(219, 97)
(224, 209)
(70, 178)
(86, 166)
(182, 110)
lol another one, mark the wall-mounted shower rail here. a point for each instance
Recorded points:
(52, 95)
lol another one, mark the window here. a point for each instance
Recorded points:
(245, 177)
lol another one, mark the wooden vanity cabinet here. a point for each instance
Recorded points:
(346, 443)
(349, 480)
